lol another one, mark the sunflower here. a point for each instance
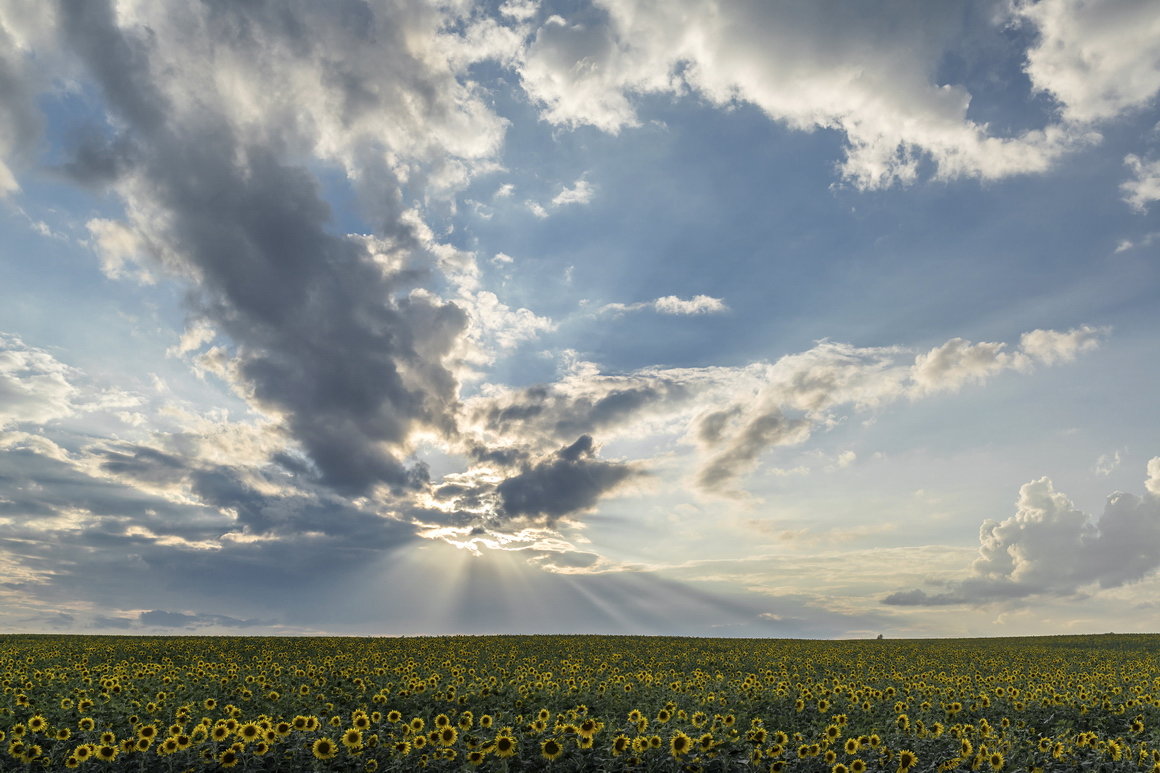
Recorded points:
(858, 766)
(680, 744)
(228, 758)
(249, 732)
(106, 753)
(551, 749)
(402, 747)
(394, 716)
(448, 736)
(907, 759)
(620, 744)
(324, 748)
(839, 768)
(486, 721)
(352, 738)
(476, 757)
(86, 723)
(505, 746)
(995, 760)
(37, 724)
(852, 746)
(83, 752)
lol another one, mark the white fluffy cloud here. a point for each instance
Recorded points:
(1096, 58)
(871, 78)
(1050, 547)
(1143, 187)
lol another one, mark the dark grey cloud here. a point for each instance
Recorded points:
(323, 334)
(21, 123)
(1051, 548)
(570, 480)
(758, 433)
(103, 621)
(143, 464)
(246, 538)
(561, 411)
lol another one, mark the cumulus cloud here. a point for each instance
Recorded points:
(1096, 59)
(330, 333)
(872, 78)
(1051, 547)
(1144, 186)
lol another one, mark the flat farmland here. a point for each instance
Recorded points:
(579, 703)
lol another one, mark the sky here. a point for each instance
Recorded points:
(796, 319)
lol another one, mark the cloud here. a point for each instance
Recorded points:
(21, 123)
(1051, 548)
(581, 192)
(36, 388)
(330, 333)
(1144, 186)
(670, 304)
(800, 392)
(159, 618)
(571, 480)
(871, 78)
(1096, 59)
(583, 403)
(735, 415)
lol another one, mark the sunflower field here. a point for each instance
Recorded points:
(579, 703)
